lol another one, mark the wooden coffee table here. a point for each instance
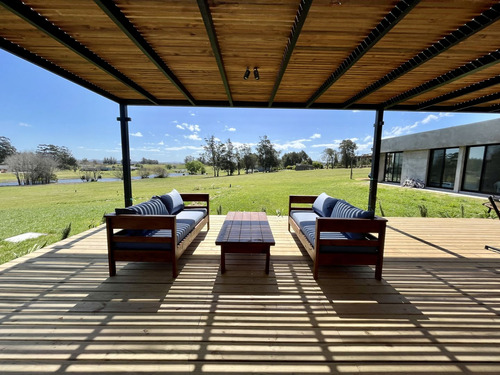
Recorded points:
(245, 232)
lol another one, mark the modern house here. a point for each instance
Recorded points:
(461, 158)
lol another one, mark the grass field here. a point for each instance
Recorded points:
(52, 208)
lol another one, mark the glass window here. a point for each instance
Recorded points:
(482, 169)
(443, 168)
(393, 166)
(490, 181)
(473, 167)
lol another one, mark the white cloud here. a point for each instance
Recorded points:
(180, 148)
(333, 144)
(429, 119)
(167, 135)
(227, 128)
(193, 137)
(24, 125)
(297, 144)
(316, 136)
(138, 134)
(368, 138)
(161, 143)
(190, 127)
(397, 131)
(239, 144)
(356, 111)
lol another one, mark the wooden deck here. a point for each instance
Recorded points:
(436, 311)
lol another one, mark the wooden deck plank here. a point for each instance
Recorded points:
(436, 310)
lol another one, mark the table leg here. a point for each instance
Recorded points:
(223, 259)
(268, 256)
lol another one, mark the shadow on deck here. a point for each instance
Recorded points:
(436, 311)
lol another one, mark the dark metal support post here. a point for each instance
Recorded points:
(127, 177)
(377, 140)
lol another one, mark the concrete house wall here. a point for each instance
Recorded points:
(416, 148)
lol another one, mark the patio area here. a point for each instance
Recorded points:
(436, 311)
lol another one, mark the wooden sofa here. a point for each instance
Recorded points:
(152, 237)
(337, 240)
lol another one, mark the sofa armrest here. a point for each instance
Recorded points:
(300, 199)
(140, 221)
(199, 198)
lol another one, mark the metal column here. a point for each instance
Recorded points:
(127, 177)
(377, 139)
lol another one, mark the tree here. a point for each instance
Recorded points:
(294, 158)
(31, 168)
(6, 148)
(214, 150)
(238, 156)
(194, 166)
(330, 157)
(347, 148)
(148, 161)
(267, 154)
(109, 160)
(249, 159)
(62, 155)
(228, 161)
(91, 171)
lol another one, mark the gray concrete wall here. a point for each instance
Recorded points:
(415, 164)
(479, 133)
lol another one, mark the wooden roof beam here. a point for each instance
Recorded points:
(478, 23)
(116, 15)
(29, 15)
(401, 9)
(460, 92)
(474, 102)
(300, 18)
(483, 62)
(53, 68)
(214, 42)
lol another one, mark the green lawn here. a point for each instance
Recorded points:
(51, 208)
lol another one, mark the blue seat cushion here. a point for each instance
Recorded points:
(151, 207)
(191, 217)
(173, 202)
(323, 205)
(304, 218)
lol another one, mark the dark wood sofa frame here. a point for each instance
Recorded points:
(116, 223)
(375, 226)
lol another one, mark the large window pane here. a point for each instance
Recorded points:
(491, 175)
(450, 168)
(393, 166)
(473, 167)
(398, 166)
(436, 168)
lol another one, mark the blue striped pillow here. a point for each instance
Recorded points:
(342, 209)
(152, 207)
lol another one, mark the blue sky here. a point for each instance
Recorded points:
(38, 107)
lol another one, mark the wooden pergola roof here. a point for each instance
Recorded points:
(432, 55)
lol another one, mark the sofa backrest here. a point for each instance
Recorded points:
(344, 210)
(152, 207)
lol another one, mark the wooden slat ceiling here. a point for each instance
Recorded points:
(432, 55)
